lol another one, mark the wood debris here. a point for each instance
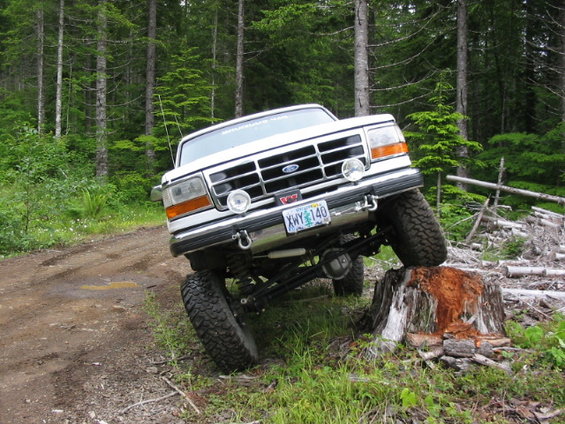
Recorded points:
(533, 280)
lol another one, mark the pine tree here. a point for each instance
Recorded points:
(438, 138)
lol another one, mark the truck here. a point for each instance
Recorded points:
(271, 201)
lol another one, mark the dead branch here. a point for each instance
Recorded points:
(143, 402)
(483, 360)
(183, 394)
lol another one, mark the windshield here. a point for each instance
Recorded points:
(251, 130)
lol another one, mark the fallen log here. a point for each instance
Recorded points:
(524, 271)
(528, 193)
(425, 306)
(503, 222)
(545, 212)
(535, 293)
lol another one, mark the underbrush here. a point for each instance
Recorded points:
(313, 370)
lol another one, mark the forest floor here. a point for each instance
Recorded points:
(76, 345)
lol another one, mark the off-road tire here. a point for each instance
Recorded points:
(225, 336)
(352, 283)
(416, 236)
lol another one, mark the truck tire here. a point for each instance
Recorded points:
(225, 336)
(352, 283)
(416, 236)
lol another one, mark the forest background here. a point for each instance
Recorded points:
(94, 95)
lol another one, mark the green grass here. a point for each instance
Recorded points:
(68, 229)
(313, 370)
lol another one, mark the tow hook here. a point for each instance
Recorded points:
(370, 204)
(243, 240)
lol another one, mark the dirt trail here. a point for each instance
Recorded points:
(74, 337)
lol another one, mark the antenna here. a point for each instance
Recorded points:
(178, 126)
(166, 129)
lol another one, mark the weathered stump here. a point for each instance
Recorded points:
(436, 307)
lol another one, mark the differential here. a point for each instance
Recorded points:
(336, 263)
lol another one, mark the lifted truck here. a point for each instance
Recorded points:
(276, 199)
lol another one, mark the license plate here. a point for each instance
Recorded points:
(306, 216)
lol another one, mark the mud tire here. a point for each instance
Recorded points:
(225, 336)
(352, 283)
(416, 236)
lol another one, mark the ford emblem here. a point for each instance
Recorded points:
(289, 169)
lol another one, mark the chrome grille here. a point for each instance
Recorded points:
(261, 177)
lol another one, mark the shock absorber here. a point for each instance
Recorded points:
(239, 266)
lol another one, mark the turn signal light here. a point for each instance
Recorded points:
(188, 206)
(390, 149)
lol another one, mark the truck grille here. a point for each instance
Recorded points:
(261, 177)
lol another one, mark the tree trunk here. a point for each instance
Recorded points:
(239, 61)
(562, 70)
(101, 91)
(59, 84)
(361, 58)
(438, 194)
(427, 306)
(150, 79)
(214, 58)
(40, 82)
(461, 97)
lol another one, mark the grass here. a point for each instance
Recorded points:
(65, 230)
(313, 370)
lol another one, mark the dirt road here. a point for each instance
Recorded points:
(74, 340)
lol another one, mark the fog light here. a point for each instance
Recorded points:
(353, 169)
(239, 201)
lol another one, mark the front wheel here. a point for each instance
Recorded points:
(416, 236)
(225, 336)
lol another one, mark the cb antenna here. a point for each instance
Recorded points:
(166, 129)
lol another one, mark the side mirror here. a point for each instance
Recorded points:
(156, 194)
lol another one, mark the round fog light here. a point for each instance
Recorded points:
(239, 201)
(353, 169)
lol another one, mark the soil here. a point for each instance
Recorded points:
(75, 345)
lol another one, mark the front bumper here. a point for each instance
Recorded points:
(265, 228)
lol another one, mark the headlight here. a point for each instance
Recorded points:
(386, 141)
(184, 197)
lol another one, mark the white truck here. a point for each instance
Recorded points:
(273, 200)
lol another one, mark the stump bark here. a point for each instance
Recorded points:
(425, 306)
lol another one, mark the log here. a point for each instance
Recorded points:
(524, 271)
(528, 193)
(503, 222)
(548, 213)
(535, 293)
(425, 306)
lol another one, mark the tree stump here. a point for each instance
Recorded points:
(437, 307)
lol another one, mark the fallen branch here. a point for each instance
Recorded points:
(483, 360)
(183, 394)
(143, 402)
(477, 222)
(166, 361)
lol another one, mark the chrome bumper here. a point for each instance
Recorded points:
(260, 230)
